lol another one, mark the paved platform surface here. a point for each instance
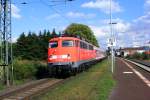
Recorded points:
(133, 83)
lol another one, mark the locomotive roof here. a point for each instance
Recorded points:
(72, 38)
(58, 38)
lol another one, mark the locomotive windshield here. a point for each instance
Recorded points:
(53, 44)
(67, 43)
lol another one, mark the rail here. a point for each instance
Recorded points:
(27, 91)
(143, 65)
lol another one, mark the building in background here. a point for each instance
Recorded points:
(131, 51)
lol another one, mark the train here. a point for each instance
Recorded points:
(70, 55)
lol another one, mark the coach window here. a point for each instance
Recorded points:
(53, 44)
(92, 48)
(82, 45)
(86, 47)
(67, 43)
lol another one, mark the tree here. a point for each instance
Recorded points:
(20, 47)
(32, 46)
(54, 33)
(83, 31)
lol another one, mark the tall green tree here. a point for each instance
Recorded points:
(32, 46)
(20, 47)
(54, 33)
(83, 31)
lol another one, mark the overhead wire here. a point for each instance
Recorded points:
(44, 3)
(55, 3)
(49, 5)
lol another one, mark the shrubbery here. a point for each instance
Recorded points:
(25, 69)
(140, 56)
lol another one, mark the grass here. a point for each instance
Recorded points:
(95, 84)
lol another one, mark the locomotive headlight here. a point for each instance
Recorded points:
(65, 56)
(53, 57)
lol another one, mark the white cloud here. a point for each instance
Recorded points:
(120, 30)
(103, 5)
(120, 26)
(79, 15)
(101, 33)
(52, 16)
(15, 11)
(141, 27)
(98, 31)
(144, 19)
(147, 4)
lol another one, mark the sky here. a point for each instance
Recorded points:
(132, 18)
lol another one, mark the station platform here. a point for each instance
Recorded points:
(133, 83)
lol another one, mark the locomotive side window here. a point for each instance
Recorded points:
(67, 43)
(53, 44)
(90, 47)
(83, 45)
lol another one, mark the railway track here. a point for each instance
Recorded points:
(30, 90)
(141, 64)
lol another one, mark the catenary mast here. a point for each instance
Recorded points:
(6, 69)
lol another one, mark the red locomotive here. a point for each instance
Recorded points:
(71, 54)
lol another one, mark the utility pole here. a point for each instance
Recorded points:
(112, 39)
(6, 42)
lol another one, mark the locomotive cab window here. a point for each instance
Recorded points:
(67, 43)
(53, 44)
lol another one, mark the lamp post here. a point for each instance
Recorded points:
(112, 38)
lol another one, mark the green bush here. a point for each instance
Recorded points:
(42, 71)
(24, 69)
(137, 56)
(128, 57)
(140, 56)
(145, 56)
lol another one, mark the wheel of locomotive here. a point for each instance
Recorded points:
(73, 71)
(84, 67)
(88, 66)
(65, 72)
(80, 69)
(50, 72)
(76, 70)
